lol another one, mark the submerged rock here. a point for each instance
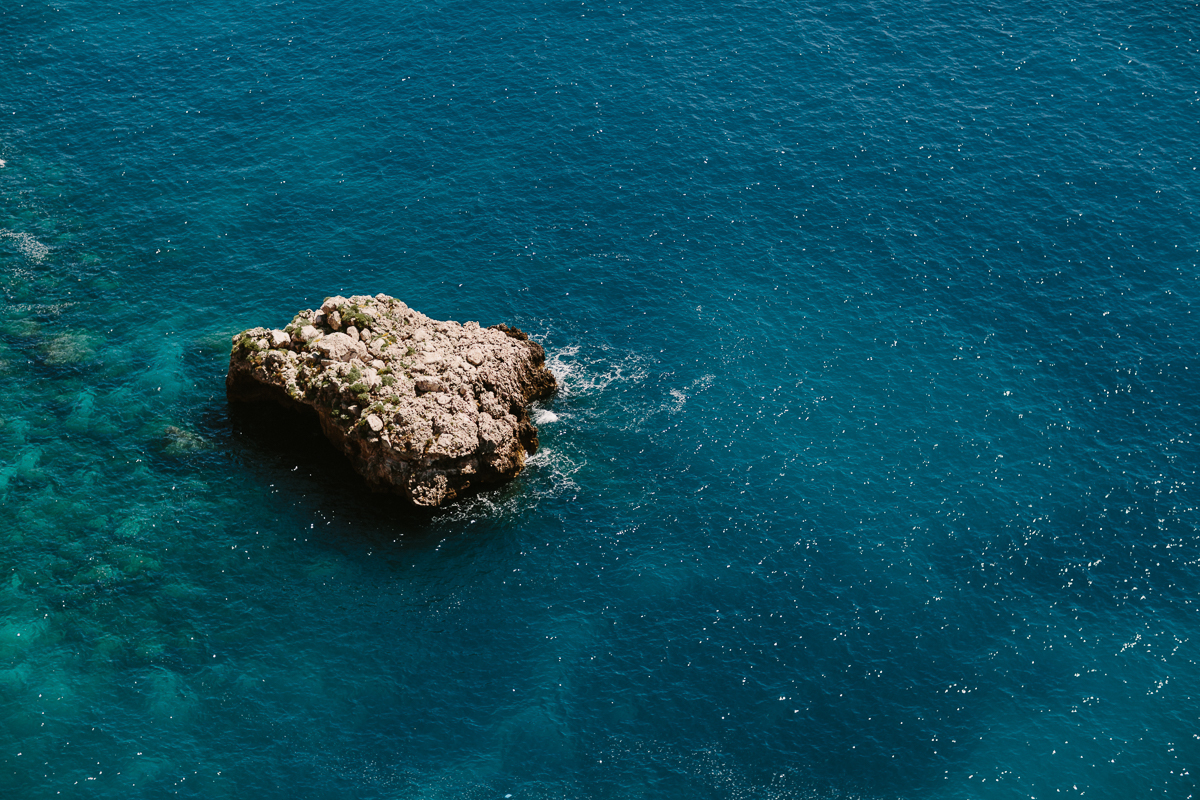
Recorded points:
(68, 348)
(429, 409)
(178, 442)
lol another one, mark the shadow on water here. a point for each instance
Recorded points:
(286, 450)
(289, 450)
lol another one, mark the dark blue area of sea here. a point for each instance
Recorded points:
(873, 469)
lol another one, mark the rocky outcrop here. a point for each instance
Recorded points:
(429, 409)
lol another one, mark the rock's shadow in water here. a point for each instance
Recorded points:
(290, 448)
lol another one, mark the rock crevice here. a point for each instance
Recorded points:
(430, 409)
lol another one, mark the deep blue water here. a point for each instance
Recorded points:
(873, 469)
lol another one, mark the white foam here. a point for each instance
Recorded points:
(548, 473)
(583, 375)
(680, 396)
(557, 466)
(30, 247)
(543, 416)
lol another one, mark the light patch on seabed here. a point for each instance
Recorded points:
(463, 779)
(68, 348)
(18, 637)
(25, 466)
(45, 309)
(167, 696)
(28, 246)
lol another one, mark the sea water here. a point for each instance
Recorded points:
(872, 469)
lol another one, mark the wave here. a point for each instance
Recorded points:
(589, 374)
(556, 467)
(679, 397)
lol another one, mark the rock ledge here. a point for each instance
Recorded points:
(429, 409)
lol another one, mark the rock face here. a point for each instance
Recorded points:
(432, 410)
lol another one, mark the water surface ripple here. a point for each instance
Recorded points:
(873, 472)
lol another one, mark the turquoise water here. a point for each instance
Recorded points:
(873, 469)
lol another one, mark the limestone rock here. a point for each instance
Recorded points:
(429, 409)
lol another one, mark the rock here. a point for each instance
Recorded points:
(332, 304)
(340, 347)
(431, 410)
(425, 383)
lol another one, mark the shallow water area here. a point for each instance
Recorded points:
(872, 469)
